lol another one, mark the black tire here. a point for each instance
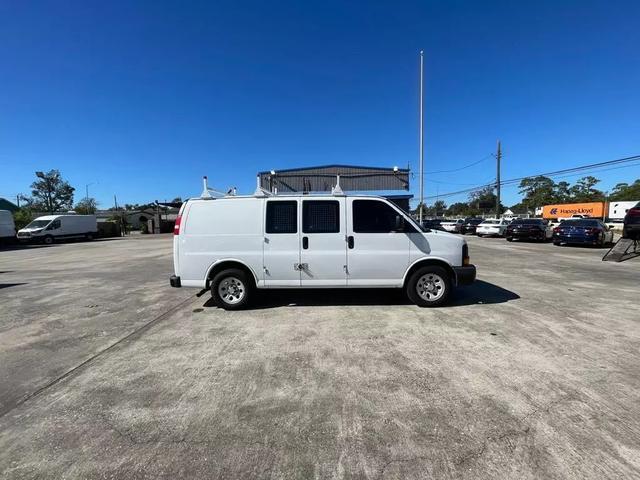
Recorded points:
(556, 243)
(509, 239)
(89, 236)
(48, 240)
(238, 285)
(443, 284)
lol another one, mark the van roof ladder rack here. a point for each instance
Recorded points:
(208, 192)
(261, 192)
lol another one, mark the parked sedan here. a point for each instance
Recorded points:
(631, 228)
(470, 225)
(453, 226)
(432, 224)
(585, 231)
(493, 227)
(529, 229)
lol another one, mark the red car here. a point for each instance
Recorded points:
(631, 227)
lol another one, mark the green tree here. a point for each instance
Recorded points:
(537, 191)
(86, 206)
(584, 191)
(458, 208)
(625, 192)
(439, 207)
(22, 217)
(562, 192)
(51, 193)
(483, 200)
(520, 208)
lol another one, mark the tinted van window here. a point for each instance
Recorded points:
(282, 217)
(373, 216)
(320, 216)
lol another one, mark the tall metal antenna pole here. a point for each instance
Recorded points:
(421, 135)
(498, 158)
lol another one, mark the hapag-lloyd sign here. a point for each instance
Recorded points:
(591, 209)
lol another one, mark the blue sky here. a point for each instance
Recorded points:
(143, 98)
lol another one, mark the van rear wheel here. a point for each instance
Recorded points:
(429, 286)
(231, 289)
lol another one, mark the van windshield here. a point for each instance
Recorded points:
(38, 224)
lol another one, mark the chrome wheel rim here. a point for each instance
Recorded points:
(231, 290)
(430, 287)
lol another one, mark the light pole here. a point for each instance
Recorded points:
(86, 188)
(421, 136)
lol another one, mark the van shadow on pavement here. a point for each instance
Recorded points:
(8, 285)
(479, 292)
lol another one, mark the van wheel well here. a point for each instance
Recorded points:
(230, 264)
(424, 263)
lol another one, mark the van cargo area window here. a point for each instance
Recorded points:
(373, 216)
(282, 217)
(320, 216)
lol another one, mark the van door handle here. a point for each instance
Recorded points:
(350, 241)
(305, 242)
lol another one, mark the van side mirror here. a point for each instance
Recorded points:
(399, 223)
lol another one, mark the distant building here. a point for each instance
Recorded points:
(7, 205)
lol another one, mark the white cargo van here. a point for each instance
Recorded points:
(50, 228)
(7, 227)
(235, 244)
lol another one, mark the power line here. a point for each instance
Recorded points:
(547, 174)
(461, 168)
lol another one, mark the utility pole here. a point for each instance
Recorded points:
(498, 158)
(421, 136)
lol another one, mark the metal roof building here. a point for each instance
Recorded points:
(323, 178)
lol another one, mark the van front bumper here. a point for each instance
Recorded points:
(465, 275)
(175, 281)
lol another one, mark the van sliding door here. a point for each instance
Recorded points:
(323, 245)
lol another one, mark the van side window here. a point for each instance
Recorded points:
(320, 216)
(373, 216)
(54, 225)
(282, 217)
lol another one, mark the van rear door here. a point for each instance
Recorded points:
(281, 255)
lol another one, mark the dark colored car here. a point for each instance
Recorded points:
(432, 224)
(631, 228)
(528, 229)
(582, 231)
(470, 225)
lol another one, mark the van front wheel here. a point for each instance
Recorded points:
(429, 286)
(231, 289)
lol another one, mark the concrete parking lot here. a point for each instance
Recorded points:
(107, 372)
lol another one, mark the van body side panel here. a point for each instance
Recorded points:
(7, 227)
(219, 229)
(441, 245)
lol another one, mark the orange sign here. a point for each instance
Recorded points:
(592, 209)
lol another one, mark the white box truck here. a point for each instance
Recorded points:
(7, 227)
(49, 228)
(618, 210)
(235, 244)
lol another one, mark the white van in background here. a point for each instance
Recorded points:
(50, 228)
(7, 227)
(235, 244)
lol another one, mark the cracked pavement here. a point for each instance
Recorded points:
(531, 373)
